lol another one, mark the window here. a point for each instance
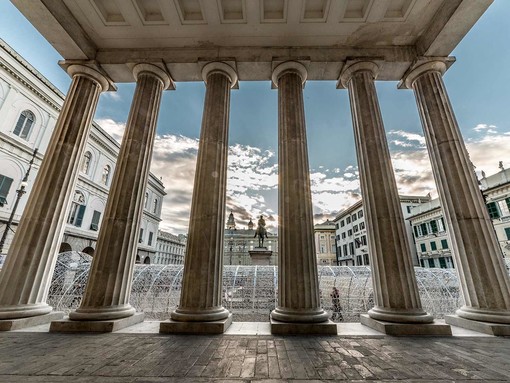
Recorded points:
(323, 250)
(149, 242)
(85, 163)
(440, 224)
(408, 209)
(155, 206)
(423, 228)
(24, 124)
(354, 217)
(422, 262)
(355, 228)
(442, 263)
(362, 225)
(416, 234)
(351, 248)
(5, 185)
(336, 226)
(322, 237)
(444, 244)
(433, 226)
(364, 240)
(360, 214)
(348, 220)
(507, 232)
(423, 247)
(140, 236)
(342, 223)
(349, 232)
(106, 174)
(503, 208)
(343, 235)
(357, 242)
(345, 250)
(94, 225)
(77, 211)
(431, 263)
(146, 201)
(433, 245)
(366, 259)
(493, 210)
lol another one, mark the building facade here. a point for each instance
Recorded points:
(238, 242)
(171, 249)
(431, 231)
(325, 245)
(29, 108)
(351, 232)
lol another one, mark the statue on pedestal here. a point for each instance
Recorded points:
(261, 231)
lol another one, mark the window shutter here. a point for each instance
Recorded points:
(81, 213)
(5, 185)
(19, 124)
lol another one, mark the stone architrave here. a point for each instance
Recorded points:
(108, 289)
(298, 284)
(26, 275)
(200, 306)
(396, 294)
(483, 277)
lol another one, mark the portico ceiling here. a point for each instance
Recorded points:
(253, 35)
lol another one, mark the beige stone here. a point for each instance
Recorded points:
(96, 325)
(478, 259)
(26, 274)
(395, 290)
(406, 329)
(107, 293)
(201, 291)
(298, 286)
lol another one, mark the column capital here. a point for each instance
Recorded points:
(292, 67)
(156, 71)
(358, 66)
(220, 67)
(94, 74)
(418, 70)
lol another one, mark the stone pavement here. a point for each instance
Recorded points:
(31, 357)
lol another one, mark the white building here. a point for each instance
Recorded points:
(29, 107)
(170, 249)
(431, 232)
(351, 233)
(325, 246)
(431, 238)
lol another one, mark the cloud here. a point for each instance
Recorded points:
(486, 128)
(113, 128)
(406, 139)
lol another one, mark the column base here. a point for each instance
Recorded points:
(17, 324)
(418, 316)
(200, 315)
(67, 325)
(102, 313)
(282, 314)
(406, 329)
(24, 311)
(212, 327)
(484, 315)
(288, 328)
(497, 329)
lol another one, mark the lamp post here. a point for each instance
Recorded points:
(19, 193)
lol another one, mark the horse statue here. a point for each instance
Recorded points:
(261, 231)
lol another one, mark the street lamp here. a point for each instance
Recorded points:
(19, 194)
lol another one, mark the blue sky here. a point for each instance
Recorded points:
(477, 83)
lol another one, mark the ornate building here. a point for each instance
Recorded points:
(29, 108)
(325, 244)
(238, 242)
(171, 249)
(351, 232)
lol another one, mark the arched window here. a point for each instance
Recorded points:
(146, 201)
(77, 209)
(106, 174)
(155, 206)
(24, 125)
(85, 164)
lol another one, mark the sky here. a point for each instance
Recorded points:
(477, 84)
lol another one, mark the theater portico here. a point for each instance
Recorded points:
(158, 43)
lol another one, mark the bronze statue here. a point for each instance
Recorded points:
(261, 231)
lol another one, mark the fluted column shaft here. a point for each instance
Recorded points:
(108, 289)
(26, 275)
(395, 290)
(298, 288)
(483, 277)
(203, 265)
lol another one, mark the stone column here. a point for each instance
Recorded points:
(396, 294)
(27, 272)
(108, 289)
(200, 308)
(298, 284)
(483, 277)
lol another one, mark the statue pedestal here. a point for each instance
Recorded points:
(260, 256)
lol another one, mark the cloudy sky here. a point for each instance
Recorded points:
(477, 83)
